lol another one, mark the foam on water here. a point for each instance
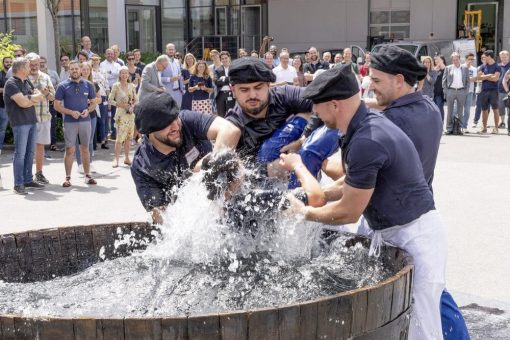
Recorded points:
(199, 265)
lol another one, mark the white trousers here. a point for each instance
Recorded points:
(425, 239)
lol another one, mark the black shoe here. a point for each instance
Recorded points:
(105, 146)
(39, 177)
(20, 190)
(502, 125)
(53, 147)
(448, 133)
(34, 185)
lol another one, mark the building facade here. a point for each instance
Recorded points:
(200, 25)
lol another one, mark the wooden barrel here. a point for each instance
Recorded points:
(375, 312)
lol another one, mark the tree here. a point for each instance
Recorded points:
(53, 7)
(6, 47)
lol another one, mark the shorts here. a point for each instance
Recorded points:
(42, 133)
(287, 133)
(489, 98)
(77, 131)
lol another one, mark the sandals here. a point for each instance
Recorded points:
(495, 131)
(127, 162)
(53, 147)
(67, 182)
(89, 179)
(115, 164)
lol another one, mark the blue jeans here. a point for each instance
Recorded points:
(112, 121)
(103, 121)
(478, 108)
(439, 100)
(467, 110)
(24, 147)
(3, 126)
(93, 122)
(452, 321)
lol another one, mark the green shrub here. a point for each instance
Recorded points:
(6, 47)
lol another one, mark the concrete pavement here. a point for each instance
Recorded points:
(471, 187)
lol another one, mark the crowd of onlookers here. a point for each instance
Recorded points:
(94, 98)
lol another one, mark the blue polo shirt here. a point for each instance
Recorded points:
(378, 155)
(284, 101)
(75, 96)
(157, 176)
(420, 119)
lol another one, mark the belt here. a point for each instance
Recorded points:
(456, 89)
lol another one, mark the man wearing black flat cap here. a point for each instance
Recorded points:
(174, 142)
(384, 182)
(394, 72)
(269, 119)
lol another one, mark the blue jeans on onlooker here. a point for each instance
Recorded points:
(24, 147)
(439, 100)
(112, 121)
(467, 109)
(478, 108)
(93, 124)
(3, 126)
(103, 121)
(53, 127)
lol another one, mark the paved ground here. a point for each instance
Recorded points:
(472, 192)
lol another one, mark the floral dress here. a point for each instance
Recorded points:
(124, 121)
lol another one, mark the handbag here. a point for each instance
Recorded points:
(202, 105)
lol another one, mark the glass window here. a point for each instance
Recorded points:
(202, 21)
(70, 30)
(173, 3)
(21, 17)
(196, 3)
(143, 2)
(379, 17)
(254, 2)
(173, 22)
(98, 12)
(221, 2)
(400, 17)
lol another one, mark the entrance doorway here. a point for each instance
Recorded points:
(251, 27)
(489, 29)
(141, 28)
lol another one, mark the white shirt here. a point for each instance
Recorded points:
(285, 74)
(225, 87)
(457, 78)
(111, 69)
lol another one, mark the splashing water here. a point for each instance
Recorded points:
(199, 265)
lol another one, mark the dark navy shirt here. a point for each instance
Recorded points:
(503, 69)
(420, 119)
(488, 85)
(75, 96)
(284, 101)
(157, 176)
(378, 155)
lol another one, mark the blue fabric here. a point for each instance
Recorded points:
(287, 133)
(113, 130)
(467, 110)
(478, 108)
(421, 121)
(378, 155)
(75, 96)
(53, 126)
(93, 124)
(3, 126)
(322, 143)
(488, 85)
(103, 121)
(453, 324)
(24, 147)
(439, 100)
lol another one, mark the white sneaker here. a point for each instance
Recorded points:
(92, 169)
(80, 169)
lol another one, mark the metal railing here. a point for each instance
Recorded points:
(202, 45)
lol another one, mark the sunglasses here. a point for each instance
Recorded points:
(131, 58)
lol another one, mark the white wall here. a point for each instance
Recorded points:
(437, 16)
(325, 24)
(45, 37)
(117, 24)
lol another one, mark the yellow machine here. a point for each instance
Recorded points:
(472, 24)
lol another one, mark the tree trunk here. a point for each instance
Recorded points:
(56, 37)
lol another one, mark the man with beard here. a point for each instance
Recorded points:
(75, 99)
(315, 64)
(173, 144)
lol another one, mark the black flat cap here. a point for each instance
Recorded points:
(250, 70)
(395, 60)
(155, 112)
(337, 83)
